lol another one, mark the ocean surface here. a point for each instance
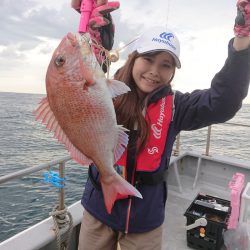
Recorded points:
(26, 143)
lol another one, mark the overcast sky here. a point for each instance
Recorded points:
(30, 30)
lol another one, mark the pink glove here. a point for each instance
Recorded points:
(100, 26)
(76, 4)
(242, 21)
(99, 14)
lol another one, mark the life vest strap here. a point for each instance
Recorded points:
(151, 178)
(143, 178)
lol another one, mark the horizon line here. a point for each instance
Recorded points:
(34, 93)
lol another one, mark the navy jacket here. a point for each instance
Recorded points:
(191, 111)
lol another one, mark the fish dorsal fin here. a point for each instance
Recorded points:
(47, 117)
(122, 142)
(117, 87)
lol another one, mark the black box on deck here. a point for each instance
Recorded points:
(217, 212)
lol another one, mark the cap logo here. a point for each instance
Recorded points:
(167, 36)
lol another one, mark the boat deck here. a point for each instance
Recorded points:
(174, 234)
(189, 174)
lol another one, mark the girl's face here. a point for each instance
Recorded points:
(152, 71)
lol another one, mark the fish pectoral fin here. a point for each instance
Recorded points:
(117, 189)
(117, 88)
(122, 142)
(47, 117)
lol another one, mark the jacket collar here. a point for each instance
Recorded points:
(158, 94)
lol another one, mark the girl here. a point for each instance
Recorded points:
(154, 115)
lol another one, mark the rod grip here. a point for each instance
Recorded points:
(86, 9)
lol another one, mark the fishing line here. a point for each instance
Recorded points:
(114, 54)
(168, 11)
(127, 44)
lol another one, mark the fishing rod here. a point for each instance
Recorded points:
(85, 11)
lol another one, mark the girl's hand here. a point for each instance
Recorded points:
(242, 20)
(100, 25)
(241, 43)
(76, 4)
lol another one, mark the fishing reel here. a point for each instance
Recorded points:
(113, 55)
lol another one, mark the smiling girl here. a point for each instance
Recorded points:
(154, 114)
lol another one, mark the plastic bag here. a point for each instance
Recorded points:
(239, 238)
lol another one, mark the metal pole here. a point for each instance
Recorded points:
(208, 140)
(30, 170)
(61, 190)
(177, 145)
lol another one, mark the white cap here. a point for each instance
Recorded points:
(159, 39)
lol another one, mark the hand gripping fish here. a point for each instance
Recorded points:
(79, 110)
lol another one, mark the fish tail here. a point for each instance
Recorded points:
(117, 189)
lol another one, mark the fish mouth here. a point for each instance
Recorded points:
(84, 44)
(82, 37)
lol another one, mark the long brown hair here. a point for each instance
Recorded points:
(129, 106)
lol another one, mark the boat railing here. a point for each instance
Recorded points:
(62, 218)
(60, 163)
(176, 150)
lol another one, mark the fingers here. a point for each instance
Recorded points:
(242, 20)
(107, 8)
(76, 4)
(101, 2)
(97, 22)
(243, 5)
(98, 18)
(102, 6)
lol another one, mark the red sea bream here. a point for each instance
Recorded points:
(79, 110)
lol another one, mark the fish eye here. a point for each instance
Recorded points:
(60, 60)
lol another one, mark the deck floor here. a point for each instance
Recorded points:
(174, 234)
